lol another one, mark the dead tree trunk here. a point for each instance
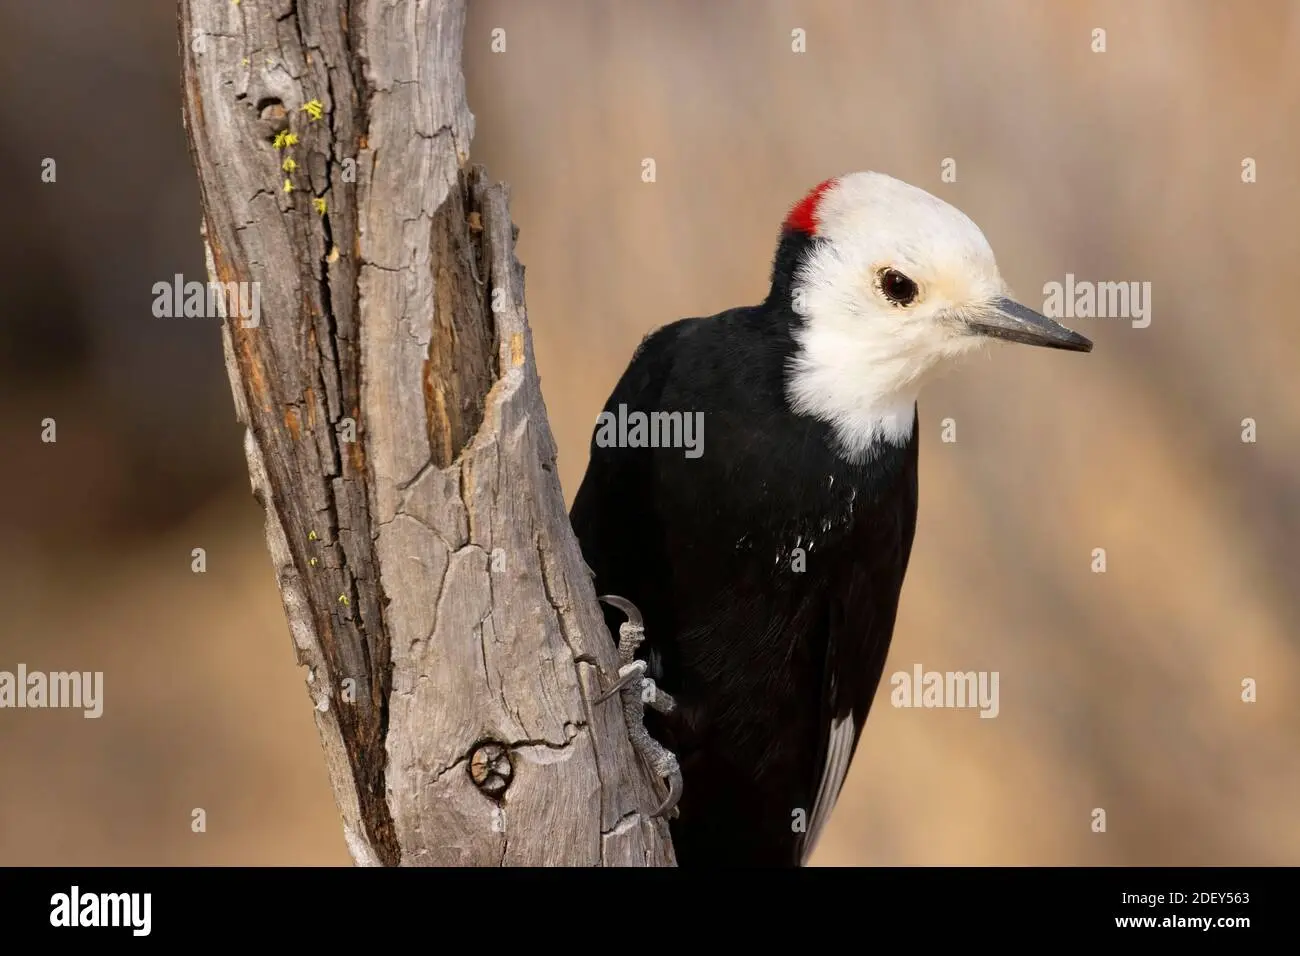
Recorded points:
(397, 440)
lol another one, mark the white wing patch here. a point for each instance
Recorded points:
(839, 749)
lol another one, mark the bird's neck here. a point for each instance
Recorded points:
(864, 391)
(792, 250)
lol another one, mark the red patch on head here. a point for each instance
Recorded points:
(803, 217)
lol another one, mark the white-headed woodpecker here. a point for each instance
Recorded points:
(755, 581)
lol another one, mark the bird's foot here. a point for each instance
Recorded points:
(636, 691)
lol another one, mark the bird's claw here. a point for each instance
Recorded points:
(632, 612)
(627, 674)
(669, 807)
(636, 692)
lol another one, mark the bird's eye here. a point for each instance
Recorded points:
(897, 287)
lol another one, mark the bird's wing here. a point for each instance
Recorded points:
(861, 625)
(612, 514)
(841, 741)
(841, 728)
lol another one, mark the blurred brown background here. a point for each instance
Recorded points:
(1119, 690)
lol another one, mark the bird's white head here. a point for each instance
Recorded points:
(895, 284)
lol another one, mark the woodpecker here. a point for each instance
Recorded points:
(754, 581)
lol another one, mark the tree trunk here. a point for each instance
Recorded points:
(397, 440)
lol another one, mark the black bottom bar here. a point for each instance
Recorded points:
(517, 908)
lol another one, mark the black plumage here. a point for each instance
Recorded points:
(761, 657)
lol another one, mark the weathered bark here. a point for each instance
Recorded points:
(431, 580)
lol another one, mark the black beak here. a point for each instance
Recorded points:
(1005, 319)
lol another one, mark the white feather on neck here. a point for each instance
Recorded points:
(865, 394)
